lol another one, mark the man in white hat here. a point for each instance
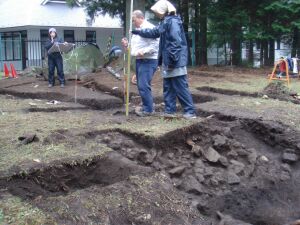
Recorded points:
(146, 51)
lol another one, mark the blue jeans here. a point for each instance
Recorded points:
(178, 87)
(145, 69)
(56, 61)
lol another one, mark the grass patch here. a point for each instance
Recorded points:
(15, 211)
(17, 122)
(269, 109)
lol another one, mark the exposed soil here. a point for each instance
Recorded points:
(224, 170)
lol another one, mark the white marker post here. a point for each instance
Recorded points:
(129, 60)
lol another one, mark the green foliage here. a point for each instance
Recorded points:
(228, 21)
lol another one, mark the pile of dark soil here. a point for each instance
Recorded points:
(278, 90)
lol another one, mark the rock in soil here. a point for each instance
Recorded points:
(228, 220)
(236, 167)
(289, 157)
(177, 171)
(191, 185)
(232, 178)
(211, 155)
(197, 150)
(28, 138)
(224, 161)
(219, 141)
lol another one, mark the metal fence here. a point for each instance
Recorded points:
(36, 52)
(25, 53)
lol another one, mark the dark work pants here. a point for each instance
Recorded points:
(177, 87)
(56, 60)
(145, 69)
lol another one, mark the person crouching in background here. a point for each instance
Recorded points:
(55, 60)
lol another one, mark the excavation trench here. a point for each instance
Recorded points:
(243, 168)
(63, 177)
(100, 101)
(134, 97)
(271, 92)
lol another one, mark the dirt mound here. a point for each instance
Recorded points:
(278, 90)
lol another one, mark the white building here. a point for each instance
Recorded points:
(24, 28)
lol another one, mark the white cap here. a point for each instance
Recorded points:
(52, 29)
(162, 7)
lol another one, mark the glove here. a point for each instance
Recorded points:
(137, 32)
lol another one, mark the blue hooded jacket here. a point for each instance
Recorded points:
(173, 49)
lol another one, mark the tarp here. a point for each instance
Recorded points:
(89, 58)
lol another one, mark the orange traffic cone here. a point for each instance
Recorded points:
(13, 71)
(6, 71)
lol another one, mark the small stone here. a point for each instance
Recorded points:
(252, 157)
(208, 171)
(263, 159)
(298, 146)
(177, 171)
(198, 170)
(199, 163)
(236, 166)
(219, 141)
(211, 155)
(128, 144)
(249, 170)
(170, 155)
(285, 176)
(229, 220)
(233, 178)
(286, 167)
(200, 177)
(190, 142)
(214, 182)
(147, 157)
(232, 154)
(191, 185)
(237, 144)
(115, 146)
(288, 157)
(265, 97)
(289, 150)
(197, 150)
(177, 182)
(224, 161)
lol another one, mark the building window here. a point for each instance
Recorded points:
(11, 47)
(69, 36)
(91, 36)
(44, 39)
(278, 42)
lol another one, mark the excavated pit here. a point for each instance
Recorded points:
(248, 170)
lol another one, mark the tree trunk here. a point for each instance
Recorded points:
(271, 52)
(261, 55)
(186, 22)
(236, 46)
(295, 43)
(251, 53)
(203, 32)
(251, 44)
(197, 32)
(266, 52)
